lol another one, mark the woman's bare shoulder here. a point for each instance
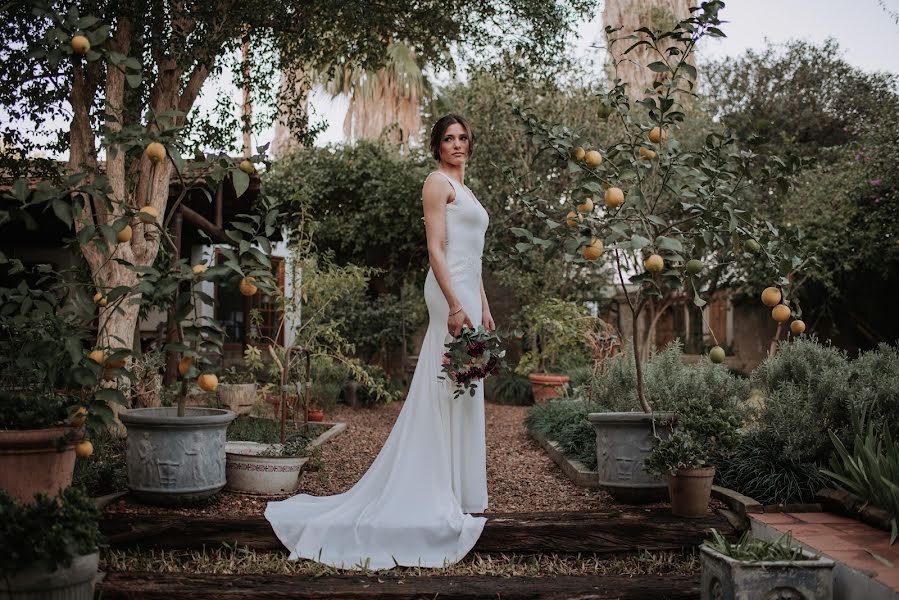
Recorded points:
(437, 186)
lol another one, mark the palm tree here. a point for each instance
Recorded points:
(292, 100)
(383, 102)
(631, 15)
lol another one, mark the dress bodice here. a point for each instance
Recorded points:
(466, 226)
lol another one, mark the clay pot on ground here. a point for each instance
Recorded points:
(37, 460)
(316, 414)
(690, 491)
(546, 386)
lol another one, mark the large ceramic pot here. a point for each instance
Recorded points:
(250, 473)
(724, 578)
(237, 397)
(176, 460)
(37, 460)
(546, 386)
(623, 441)
(75, 582)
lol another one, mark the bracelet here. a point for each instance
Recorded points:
(457, 312)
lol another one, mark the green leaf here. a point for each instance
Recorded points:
(63, 211)
(658, 67)
(668, 243)
(240, 180)
(638, 241)
(522, 233)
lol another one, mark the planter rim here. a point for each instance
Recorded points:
(821, 561)
(168, 417)
(246, 450)
(539, 376)
(630, 417)
(29, 438)
(86, 563)
(700, 472)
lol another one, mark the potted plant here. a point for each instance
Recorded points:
(50, 546)
(660, 212)
(702, 432)
(257, 463)
(754, 568)
(50, 383)
(554, 327)
(237, 389)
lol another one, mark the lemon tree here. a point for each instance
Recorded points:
(667, 215)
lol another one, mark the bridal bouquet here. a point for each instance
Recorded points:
(473, 355)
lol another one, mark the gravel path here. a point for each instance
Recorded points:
(520, 475)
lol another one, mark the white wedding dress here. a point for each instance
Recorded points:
(409, 507)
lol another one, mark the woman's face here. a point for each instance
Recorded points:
(454, 147)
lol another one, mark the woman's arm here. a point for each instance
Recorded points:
(435, 195)
(486, 317)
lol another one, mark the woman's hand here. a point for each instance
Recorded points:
(487, 320)
(455, 322)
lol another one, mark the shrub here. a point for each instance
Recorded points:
(669, 382)
(871, 469)
(761, 469)
(565, 422)
(105, 472)
(49, 531)
(874, 383)
(508, 387)
(807, 393)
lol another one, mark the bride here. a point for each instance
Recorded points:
(410, 507)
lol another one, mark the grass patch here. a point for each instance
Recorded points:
(245, 561)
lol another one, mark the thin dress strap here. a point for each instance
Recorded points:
(456, 185)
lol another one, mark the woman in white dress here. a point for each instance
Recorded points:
(410, 507)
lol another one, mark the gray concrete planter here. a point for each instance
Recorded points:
(623, 441)
(249, 473)
(724, 578)
(75, 582)
(237, 397)
(174, 460)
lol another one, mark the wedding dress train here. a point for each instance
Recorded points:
(409, 507)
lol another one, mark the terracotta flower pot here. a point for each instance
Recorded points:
(690, 491)
(546, 386)
(316, 415)
(31, 462)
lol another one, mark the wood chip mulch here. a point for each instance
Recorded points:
(520, 475)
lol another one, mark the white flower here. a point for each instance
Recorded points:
(448, 339)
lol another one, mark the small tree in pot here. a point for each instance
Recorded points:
(554, 327)
(665, 212)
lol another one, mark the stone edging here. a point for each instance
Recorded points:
(573, 468)
(333, 431)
